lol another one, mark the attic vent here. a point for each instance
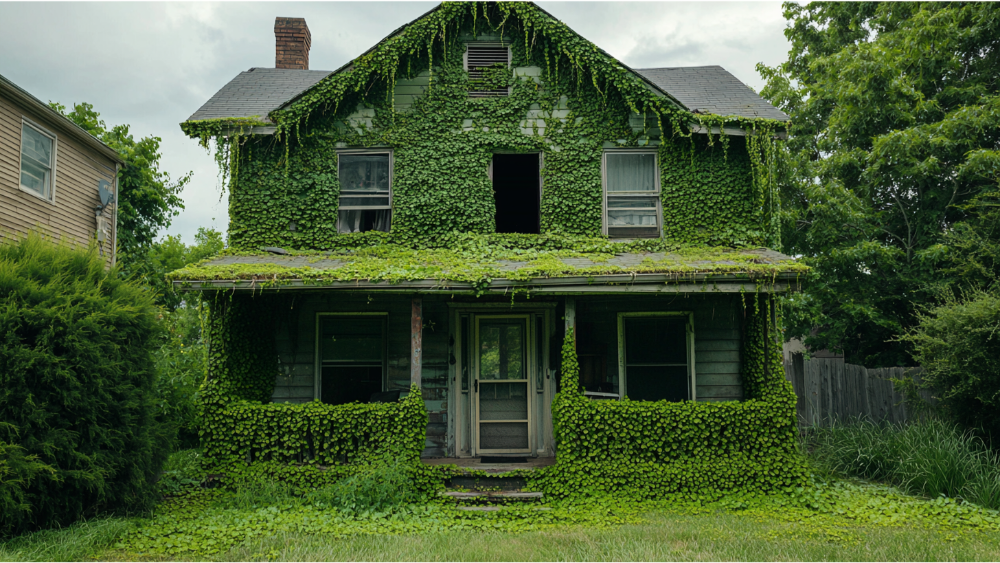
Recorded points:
(477, 58)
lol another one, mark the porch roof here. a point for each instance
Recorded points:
(685, 270)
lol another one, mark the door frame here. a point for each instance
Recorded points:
(529, 381)
(460, 419)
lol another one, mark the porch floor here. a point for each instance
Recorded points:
(476, 463)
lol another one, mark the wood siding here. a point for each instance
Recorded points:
(77, 172)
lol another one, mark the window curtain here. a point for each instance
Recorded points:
(355, 221)
(631, 172)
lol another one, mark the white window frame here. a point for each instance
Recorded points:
(510, 61)
(692, 373)
(25, 122)
(657, 194)
(318, 365)
(365, 152)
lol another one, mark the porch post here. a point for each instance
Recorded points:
(571, 317)
(416, 330)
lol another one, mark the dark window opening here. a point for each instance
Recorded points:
(353, 358)
(516, 188)
(656, 364)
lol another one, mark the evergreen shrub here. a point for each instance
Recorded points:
(76, 384)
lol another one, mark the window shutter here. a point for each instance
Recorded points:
(478, 57)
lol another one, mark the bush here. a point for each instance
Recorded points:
(76, 380)
(958, 344)
(930, 458)
(376, 487)
(180, 370)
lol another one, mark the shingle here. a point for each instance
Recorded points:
(257, 92)
(711, 89)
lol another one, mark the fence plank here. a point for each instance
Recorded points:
(829, 390)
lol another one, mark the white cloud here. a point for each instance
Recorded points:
(151, 65)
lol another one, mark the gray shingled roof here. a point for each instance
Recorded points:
(257, 91)
(711, 89)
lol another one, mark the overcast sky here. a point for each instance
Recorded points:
(151, 65)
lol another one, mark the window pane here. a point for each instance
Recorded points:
(345, 384)
(501, 350)
(356, 221)
(631, 172)
(650, 383)
(351, 340)
(34, 177)
(36, 146)
(633, 232)
(632, 218)
(655, 340)
(364, 173)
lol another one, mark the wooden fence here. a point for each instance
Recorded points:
(830, 390)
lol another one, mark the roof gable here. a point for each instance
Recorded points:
(288, 97)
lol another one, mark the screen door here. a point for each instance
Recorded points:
(502, 385)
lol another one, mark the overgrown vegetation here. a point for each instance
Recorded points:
(931, 458)
(894, 131)
(652, 449)
(716, 191)
(76, 387)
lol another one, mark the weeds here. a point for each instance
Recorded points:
(930, 458)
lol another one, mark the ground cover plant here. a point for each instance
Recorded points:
(76, 387)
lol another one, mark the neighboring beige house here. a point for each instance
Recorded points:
(52, 174)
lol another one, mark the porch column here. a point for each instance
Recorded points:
(571, 317)
(416, 331)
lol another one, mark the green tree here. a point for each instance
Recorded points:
(148, 199)
(895, 129)
(172, 254)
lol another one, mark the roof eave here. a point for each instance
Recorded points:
(65, 124)
(613, 283)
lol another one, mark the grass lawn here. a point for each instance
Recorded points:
(661, 537)
(889, 528)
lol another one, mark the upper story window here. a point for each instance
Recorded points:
(631, 194)
(365, 191)
(38, 157)
(480, 58)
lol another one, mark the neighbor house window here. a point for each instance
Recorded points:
(656, 356)
(352, 357)
(38, 152)
(365, 192)
(631, 194)
(480, 59)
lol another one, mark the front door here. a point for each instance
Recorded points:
(502, 389)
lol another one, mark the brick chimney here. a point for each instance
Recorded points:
(291, 43)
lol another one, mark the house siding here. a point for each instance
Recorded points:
(78, 170)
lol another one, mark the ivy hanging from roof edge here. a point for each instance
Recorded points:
(716, 189)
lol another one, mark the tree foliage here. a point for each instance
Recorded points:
(895, 130)
(147, 200)
(76, 385)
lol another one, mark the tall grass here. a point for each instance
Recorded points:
(930, 458)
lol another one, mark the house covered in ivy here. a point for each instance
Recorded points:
(485, 210)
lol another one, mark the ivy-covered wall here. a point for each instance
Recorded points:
(569, 101)
(649, 449)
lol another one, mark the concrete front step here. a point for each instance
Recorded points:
(492, 494)
(493, 508)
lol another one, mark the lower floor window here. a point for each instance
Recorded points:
(655, 357)
(352, 358)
